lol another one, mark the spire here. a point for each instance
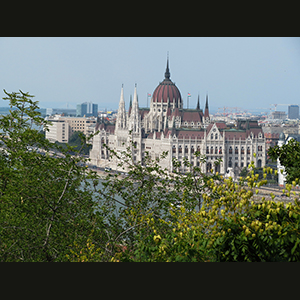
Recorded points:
(167, 73)
(122, 94)
(121, 116)
(134, 121)
(198, 103)
(134, 95)
(130, 106)
(206, 112)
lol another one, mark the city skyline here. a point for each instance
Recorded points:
(251, 73)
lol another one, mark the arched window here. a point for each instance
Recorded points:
(230, 150)
(212, 136)
(236, 150)
(259, 163)
(216, 136)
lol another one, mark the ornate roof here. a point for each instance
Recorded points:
(167, 90)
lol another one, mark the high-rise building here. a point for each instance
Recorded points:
(293, 112)
(87, 109)
(62, 128)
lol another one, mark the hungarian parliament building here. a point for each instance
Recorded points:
(167, 126)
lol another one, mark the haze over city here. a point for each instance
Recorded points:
(248, 72)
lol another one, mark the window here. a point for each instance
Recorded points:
(248, 150)
(216, 150)
(192, 149)
(212, 136)
(180, 149)
(174, 149)
(212, 150)
(186, 149)
(242, 150)
(220, 150)
(216, 136)
(236, 150)
(230, 150)
(207, 150)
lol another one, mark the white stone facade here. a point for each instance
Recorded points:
(62, 127)
(167, 126)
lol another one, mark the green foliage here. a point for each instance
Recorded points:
(78, 143)
(52, 209)
(202, 217)
(46, 203)
(289, 157)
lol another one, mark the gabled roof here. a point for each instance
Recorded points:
(189, 133)
(235, 134)
(256, 131)
(107, 127)
(191, 116)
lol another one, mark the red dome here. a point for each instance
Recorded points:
(167, 90)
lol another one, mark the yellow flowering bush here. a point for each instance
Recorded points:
(229, 226)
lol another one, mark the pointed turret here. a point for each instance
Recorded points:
(198, 103)
(130, 106)
(167, 73)
(121, 116)
(206, 112)
(134, 121)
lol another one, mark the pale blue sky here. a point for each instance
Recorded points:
(243, 72)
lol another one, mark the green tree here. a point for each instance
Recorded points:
(78, 142)
(289, 157)
(52, 209)
(47, 206)
(196, 217)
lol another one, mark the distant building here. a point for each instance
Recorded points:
(65, 111)
(62, 127)
(278, 115)
(58, 130)
(87, 109)
(293, 112)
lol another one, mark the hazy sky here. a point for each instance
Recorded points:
(244, 72)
